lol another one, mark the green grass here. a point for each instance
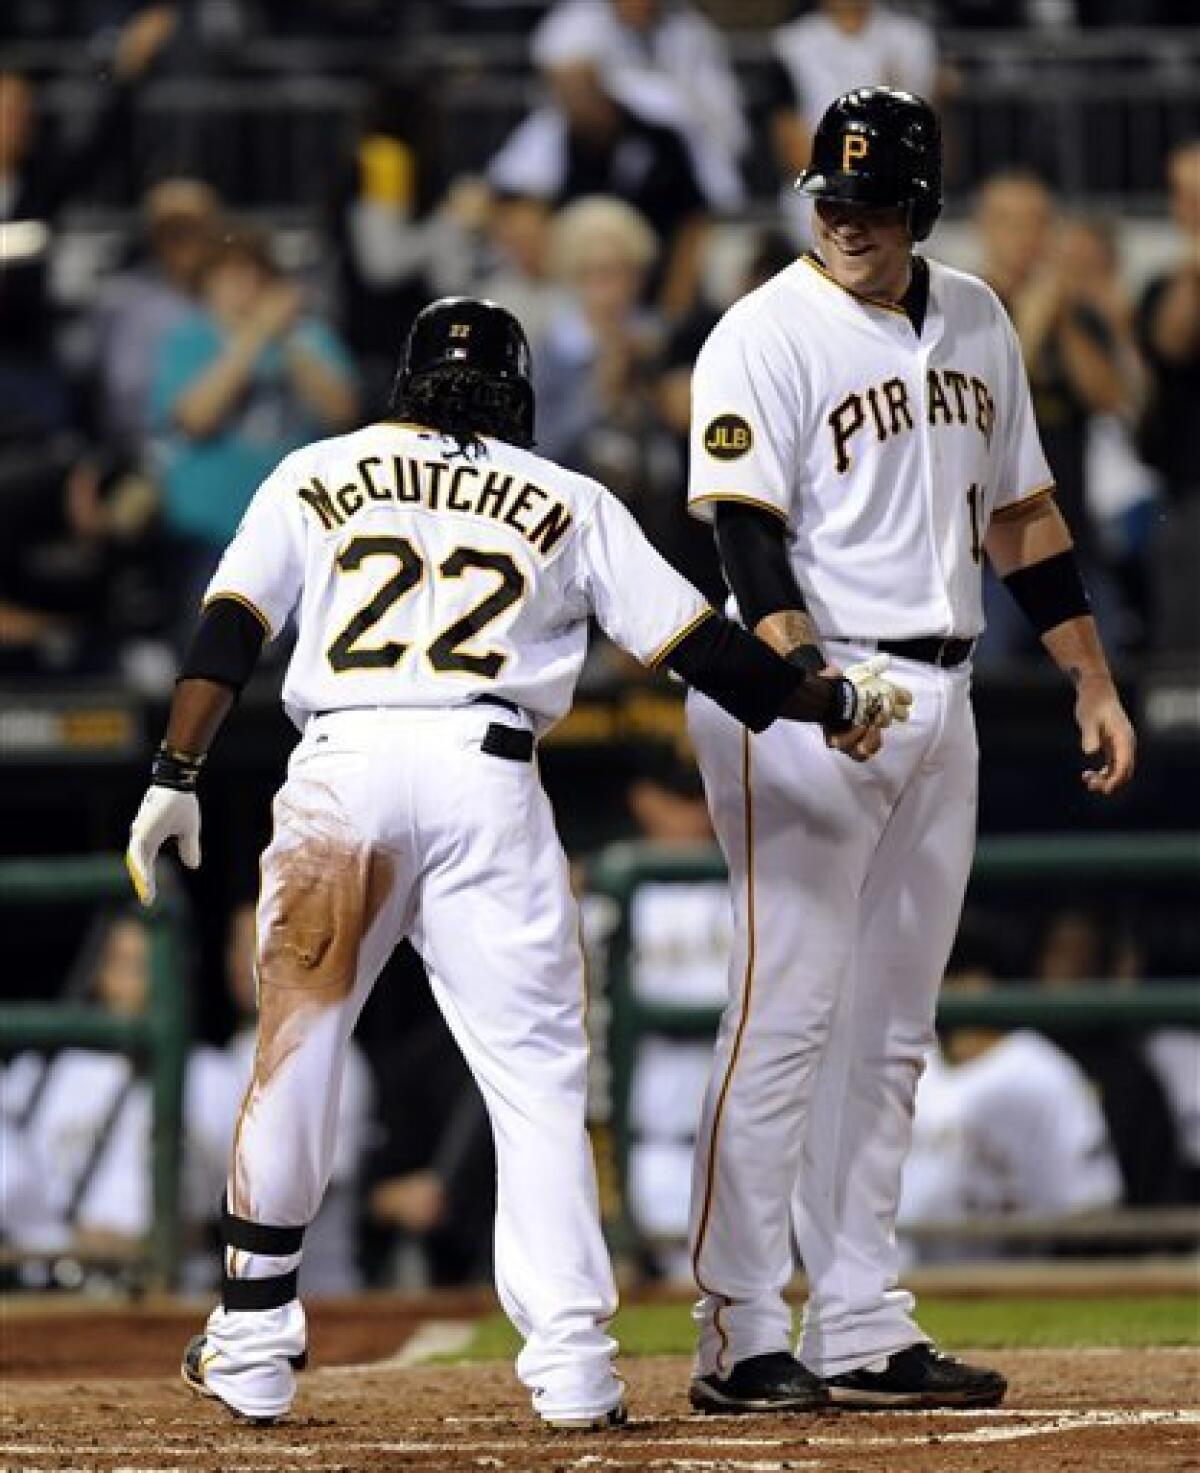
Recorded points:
(990, 1324)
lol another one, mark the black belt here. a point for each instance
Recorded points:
(929, 650)
(498, 741)
(503, 701)
(505, 741)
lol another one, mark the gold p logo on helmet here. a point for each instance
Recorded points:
(854, 146)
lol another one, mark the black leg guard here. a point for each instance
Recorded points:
(258, 1237)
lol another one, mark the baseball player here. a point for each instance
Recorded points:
(861, 437)
(441, 577)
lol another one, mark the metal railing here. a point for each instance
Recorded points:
(621, 1018)
(1096, 111)
(158, 1039)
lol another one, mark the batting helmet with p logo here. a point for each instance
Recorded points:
(879, 146)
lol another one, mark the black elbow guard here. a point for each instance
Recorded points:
(1050, 592)
(746, 677)
(226, 646)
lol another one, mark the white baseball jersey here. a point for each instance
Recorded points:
(887, 453)
(422, 575)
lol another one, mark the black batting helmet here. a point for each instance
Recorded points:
(466, 369)
(879, 146)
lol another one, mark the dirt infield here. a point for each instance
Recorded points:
(1100, 1411)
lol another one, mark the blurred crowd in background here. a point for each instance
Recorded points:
(166, 337)
(638, 195)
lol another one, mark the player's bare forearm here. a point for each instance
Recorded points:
(788, 629)
(197, 710)
(1078, 651)
(1037, 537)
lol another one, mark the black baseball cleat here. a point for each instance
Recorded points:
(196, 1358)
(775, 1382)
(920, 1376)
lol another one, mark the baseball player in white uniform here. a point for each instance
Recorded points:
(862, 435)
(441, 577)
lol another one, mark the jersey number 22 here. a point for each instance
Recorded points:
(445, 651)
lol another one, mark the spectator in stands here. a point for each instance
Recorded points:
(81, 570)
(86, 1114)
(331, 1241)
(1169, 331)
(595, 370)
(1121, 490)
(587, 143)
(401, 233)
(432, 1176)
(842, 44)
(592, 371)
(1006, 1124)
(1076, 947)
(1174, 1056)
(237, 386)
(36, 182)
(986, 14)
(668, 64)
(692, 547)
(140, 307)
(1074, 365)
(520, 274)
(29, 1220)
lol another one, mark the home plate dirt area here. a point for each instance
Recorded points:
(102, 1393)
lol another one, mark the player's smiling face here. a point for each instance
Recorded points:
(866, 248)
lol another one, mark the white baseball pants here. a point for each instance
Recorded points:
(392, 823)
(847, 884)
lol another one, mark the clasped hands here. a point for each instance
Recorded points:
(880, 702)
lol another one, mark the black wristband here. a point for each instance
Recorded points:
(174, 769)
(845, 705)
(1050, 592)
(808, 657)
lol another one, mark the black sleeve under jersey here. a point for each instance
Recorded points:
(226, 645)
(753, 549)
(749, 680)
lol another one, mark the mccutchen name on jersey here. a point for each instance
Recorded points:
(470, 488)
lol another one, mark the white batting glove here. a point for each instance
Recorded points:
(879, 702)
(166, 813)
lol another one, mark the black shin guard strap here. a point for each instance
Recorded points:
(272, 1293)
(258, 1237)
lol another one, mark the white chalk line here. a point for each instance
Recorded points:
(433, 1339)
(1047, 1424)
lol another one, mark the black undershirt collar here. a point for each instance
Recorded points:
(915, 301)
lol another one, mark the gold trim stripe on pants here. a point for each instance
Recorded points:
(746, 997)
